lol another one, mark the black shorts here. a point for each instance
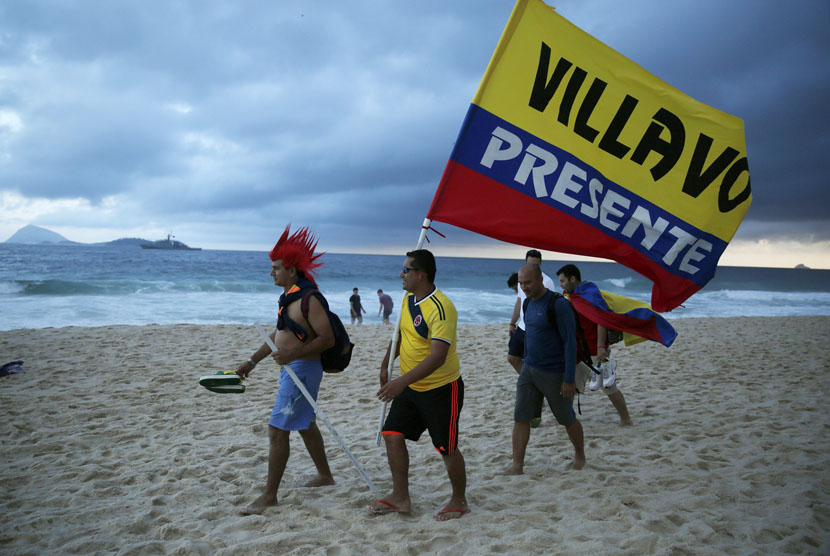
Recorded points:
(516, 345)
(435, 410)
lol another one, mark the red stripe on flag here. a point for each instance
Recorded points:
(644, 328)
(482, 205)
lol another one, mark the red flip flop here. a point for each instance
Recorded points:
(387, 508)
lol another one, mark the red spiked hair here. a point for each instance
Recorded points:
(297, 251)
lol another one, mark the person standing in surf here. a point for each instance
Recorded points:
(299, 339)
(386, 305)
(356, 310)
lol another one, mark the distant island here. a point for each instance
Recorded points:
(36, 235)
(169, 244)
(802, 267)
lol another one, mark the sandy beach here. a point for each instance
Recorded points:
(110, 446)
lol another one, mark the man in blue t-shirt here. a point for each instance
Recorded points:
(548, 368)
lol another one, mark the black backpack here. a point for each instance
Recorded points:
(336, 358)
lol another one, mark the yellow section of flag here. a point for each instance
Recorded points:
(565, 87)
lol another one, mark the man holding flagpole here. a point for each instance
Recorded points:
(429, 393)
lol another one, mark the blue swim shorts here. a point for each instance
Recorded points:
(292, 412)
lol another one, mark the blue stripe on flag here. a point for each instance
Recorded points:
(505, 153)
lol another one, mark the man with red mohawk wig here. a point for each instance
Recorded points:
(300, 338)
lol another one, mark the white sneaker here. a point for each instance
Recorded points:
(596, 380)
(609, 373)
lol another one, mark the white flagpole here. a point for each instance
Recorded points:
(317, 410)
(394, 345)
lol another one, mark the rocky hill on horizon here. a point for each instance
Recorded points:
(37, 235)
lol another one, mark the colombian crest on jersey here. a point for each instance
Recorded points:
(418, 323)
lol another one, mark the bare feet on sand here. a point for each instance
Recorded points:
(513, 470)
(259, 505)
(319, 480)
(578, 463)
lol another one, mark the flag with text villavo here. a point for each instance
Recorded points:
(569, 146)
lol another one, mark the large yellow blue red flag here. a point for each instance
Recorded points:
(571, 147)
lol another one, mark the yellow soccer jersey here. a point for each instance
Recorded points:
(431, 318)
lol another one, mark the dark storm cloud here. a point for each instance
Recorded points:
(217, 113)
(765, 63)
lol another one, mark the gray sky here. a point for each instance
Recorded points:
(222, 121)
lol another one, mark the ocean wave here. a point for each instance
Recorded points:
(752, 303)
(102, 286)
(770, 296)
(11, 288)
(127, 287)
(202, 307)
(619, 282)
